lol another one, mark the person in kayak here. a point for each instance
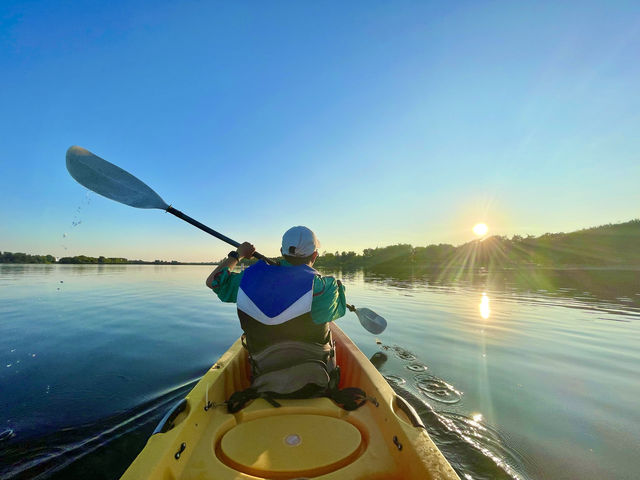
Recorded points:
(284, 312)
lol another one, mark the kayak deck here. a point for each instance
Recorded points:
(310, 438)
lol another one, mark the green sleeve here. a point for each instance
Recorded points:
(329, 302)
(225, 284)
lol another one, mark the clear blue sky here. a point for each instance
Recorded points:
(373, 123)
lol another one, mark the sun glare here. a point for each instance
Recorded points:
(480, 229)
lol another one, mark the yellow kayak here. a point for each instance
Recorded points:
(302, 439)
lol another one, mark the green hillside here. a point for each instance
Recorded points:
(606, 245)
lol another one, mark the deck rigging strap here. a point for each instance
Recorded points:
(349, 398)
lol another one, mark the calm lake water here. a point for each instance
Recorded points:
(517, 374)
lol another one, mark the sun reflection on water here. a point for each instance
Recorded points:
(485, 311)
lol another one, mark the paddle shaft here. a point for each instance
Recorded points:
(211, 231)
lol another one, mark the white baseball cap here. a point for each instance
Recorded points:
(299, 242)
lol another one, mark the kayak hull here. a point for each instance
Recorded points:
(310, 438)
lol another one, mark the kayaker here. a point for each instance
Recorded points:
(284, 311)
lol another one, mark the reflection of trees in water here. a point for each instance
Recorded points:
(25, 269)
(586, 284)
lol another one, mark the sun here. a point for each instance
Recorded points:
(480, 229)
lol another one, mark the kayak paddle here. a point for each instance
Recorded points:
(369, 319)
(113, 182)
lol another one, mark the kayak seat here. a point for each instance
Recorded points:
(295, 369)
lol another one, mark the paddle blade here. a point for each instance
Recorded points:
(371, 321)
(110, 180)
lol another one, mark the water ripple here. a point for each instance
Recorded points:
(437, 389)
(42, 457)
(395, 379)
(474, 449)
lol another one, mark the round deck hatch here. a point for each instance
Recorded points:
(290, 444)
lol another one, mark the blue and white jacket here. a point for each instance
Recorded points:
(273, 295)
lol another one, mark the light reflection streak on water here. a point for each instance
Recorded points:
(483, 369)
(485, 311)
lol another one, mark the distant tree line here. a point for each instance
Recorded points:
(393, 255)
(612, 244)
(9, 257)
(19, 257)
(100, 260)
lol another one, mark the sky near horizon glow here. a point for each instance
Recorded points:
(373, 123)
